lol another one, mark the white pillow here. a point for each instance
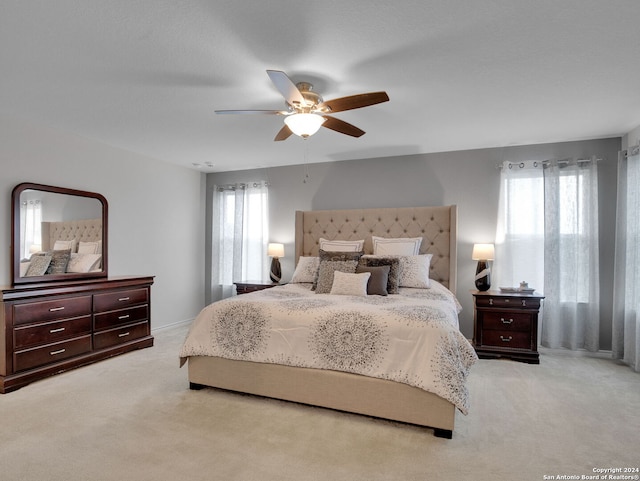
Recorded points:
(306, 270)
(90, 247)
(84, 262)
(350, 284)
(402, 246)
(414, 271)
(341, 245)
(62, 245)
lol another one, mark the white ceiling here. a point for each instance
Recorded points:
(147, 75)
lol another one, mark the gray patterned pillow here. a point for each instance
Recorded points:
(393, 280)
(326, 256)
(38, 265)
(306, 270)
(326, 270)
(59, 261)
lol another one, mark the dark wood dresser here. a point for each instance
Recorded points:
(49, 328)
(506, 325)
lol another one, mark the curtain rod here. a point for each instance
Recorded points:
(537, 163)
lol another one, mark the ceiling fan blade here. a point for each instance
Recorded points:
(354, 102)
(264, 112)
(286, 87)
(283, 134)
(342, 126)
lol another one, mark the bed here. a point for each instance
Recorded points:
(360, 385)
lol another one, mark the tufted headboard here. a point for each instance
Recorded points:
(87, 230)
(436, 225)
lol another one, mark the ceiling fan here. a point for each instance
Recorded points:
(306, 110)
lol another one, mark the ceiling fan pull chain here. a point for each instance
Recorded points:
(306, 164)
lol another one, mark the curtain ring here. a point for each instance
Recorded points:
(522, 165)
(510, 166)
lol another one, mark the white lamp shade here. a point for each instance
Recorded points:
(483, 252)
(275, 250)
(304, 125)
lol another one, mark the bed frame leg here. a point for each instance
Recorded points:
(195, 386)
(443, 433)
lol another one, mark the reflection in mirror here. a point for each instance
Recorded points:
(58, 234)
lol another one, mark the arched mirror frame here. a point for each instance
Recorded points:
(15, 235)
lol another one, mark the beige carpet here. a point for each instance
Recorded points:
(134, 418)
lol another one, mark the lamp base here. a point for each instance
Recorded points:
(483, 276)
(275, 274)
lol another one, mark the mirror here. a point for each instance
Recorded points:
(58, 234)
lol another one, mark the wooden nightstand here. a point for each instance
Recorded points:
(246, 287)
(506, 325)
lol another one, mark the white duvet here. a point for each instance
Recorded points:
(412, 337)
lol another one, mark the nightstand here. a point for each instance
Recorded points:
(506, 325)
(245, 287)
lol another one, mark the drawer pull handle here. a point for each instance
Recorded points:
(506, 321)
(53, 331)
(124, 299)
(124, 334)
(506, 339)
(124, 317)
(60, 351)
(54, 309)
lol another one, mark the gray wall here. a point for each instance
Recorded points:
(156, 210)
(468, 179)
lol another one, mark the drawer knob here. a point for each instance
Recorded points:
(506, 321)
(506, 339)
(59, 351)
(53, 331)
(122, 299)
(54, 309)
(124, 334)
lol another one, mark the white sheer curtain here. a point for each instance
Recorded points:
(626, 286)
(571, 315)
(547, 235)
(520, 228)
(30, 223)
(240, 235)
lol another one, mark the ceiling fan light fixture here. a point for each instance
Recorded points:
(304, 125)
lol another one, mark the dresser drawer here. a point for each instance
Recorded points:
(119, 299)
(48, 332)
(60, 308)
(107, 320)
(510, 339)
(40, 356)
(506, 320)
(119, 335)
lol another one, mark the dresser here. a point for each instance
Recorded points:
(246, 287)
(506, 325)
(49, 328)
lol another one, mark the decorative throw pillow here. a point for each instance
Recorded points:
(90, 247)
(84, 262)
(38, 265)
(59, 261)
(335, 257)
(61, 245)
(350, 284)
(341, 245)
(306, 270)
(393, 281)
(396, 246)
(415, 271)
(327, 270)
(377, 285)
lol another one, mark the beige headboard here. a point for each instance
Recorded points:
(436, 225)
(87, 230)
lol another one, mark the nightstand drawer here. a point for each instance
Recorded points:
(507, 321)
(514, 302)
(510, 339)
